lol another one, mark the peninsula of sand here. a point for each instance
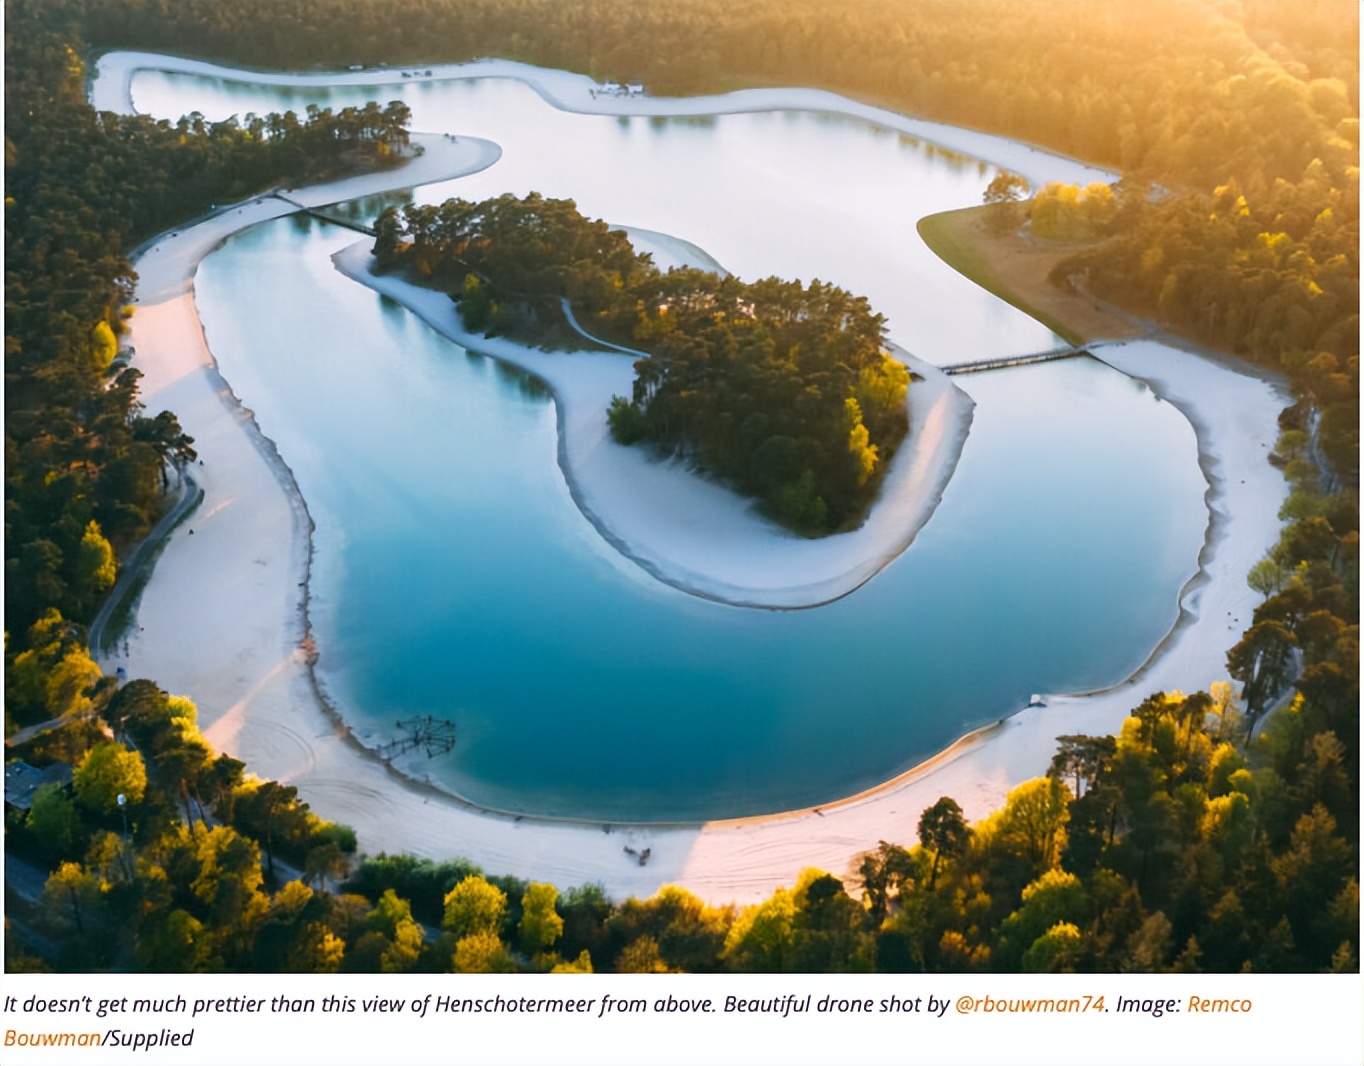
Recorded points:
(688, 532)
(224, 616)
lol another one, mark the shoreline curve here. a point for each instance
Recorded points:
(110, 89)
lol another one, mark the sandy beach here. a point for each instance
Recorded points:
(224, 615)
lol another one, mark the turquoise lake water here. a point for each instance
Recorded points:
(455, 577)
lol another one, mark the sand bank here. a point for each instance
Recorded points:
(223, 616)
(691, 533)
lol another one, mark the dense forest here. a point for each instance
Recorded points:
(171, 878)
(784, 391)
(84, 468)
(1179, 844)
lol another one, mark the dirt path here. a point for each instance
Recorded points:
(1015, 268)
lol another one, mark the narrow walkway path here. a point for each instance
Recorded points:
(346, 223)
(573, 322)
(21, 736)
(999, 362)
(142, 555)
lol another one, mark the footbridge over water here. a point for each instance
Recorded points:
(976, 366)
(322, 216)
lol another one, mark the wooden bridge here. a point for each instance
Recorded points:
(976, 366)
(335, 220)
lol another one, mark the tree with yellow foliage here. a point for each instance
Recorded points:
(108, 771)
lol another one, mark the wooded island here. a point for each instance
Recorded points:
(784, 391)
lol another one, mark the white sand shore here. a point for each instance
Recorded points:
(222, 619)
(668, 251)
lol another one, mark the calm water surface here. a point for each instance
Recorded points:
(455, 576)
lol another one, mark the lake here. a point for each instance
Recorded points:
(455, 577)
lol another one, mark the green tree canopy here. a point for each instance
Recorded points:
(108, 771)
(943, 831)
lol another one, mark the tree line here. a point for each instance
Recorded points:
(86, 468)
(1175, 846)
(785, 391)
